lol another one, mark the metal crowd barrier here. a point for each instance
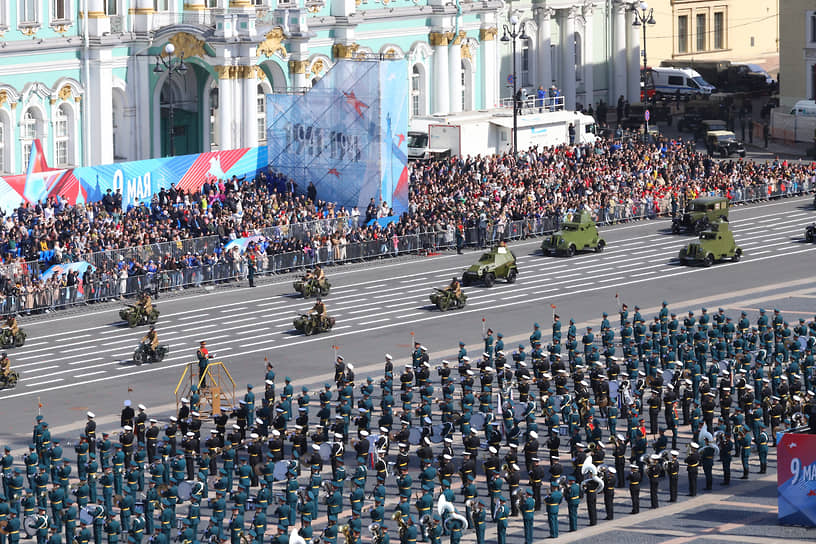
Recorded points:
(23, 295)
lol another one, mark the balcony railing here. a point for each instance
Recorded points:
(532, 104)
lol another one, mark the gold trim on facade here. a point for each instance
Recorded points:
(488, 34)
(344, 51)
(186, 44)
(437, 39)
(298, 66)
(64, 92)
(272, 43)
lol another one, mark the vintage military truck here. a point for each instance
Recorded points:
(499, 262)
(715, 244)
(701, 213)
(580, 234)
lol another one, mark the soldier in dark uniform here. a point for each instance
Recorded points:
(693, 468)
(634, 478)
(609, 479)
(591, 493)
(90, 433)
(654, 473)
(673, 472)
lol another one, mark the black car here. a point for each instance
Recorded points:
(690, 122)
(724, 143)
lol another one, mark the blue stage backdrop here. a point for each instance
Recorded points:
(346, 134)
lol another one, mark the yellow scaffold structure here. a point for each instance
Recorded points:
(215, 387)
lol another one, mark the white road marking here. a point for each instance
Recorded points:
(610, 279)
(184, 317)
(240, 320)
(90, 374)
(38, 370)
(33, 356)
(238, 309)
(43, 383)
(86, 361)
(375, 321)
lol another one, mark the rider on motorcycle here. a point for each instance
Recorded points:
(316, 274)
(5, 365)
(10, 328)
(455, 287)
(151, 340)
(318, 309)
(145, 304)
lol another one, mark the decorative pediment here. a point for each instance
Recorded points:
(187, 45)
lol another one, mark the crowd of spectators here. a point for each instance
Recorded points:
(463, 201)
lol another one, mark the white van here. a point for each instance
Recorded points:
(686, 82)
(804, 108)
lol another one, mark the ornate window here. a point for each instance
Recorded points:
(28, 12)
(525, 63)
(261, 114)
(3, 144)
(30, 130)
(60, 10)
(682, 34)
(702, 37)
(417, 90)
(63, 136)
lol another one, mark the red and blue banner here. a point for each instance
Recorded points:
(796, 479)
(346, 135)
(138, 180)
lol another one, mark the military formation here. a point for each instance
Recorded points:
(485, 446)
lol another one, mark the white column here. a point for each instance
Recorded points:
(543, 45)
(455, 68)
(618, 85)
(99, 100)
(489, 70)
(225, 105)
(141, 94)
(589, 59)
(249, 124)
(441, 73)
(98, 21)
(633, 64)
(568, 57)
(142, 16)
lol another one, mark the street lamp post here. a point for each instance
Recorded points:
(643, 16)
(172, 66)
(511, 33)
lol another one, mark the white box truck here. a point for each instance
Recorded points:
(491, 132)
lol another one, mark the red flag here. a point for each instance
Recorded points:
(39, 405)
(552, 306)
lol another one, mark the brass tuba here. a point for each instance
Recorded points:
(401, 522)
(346, 530)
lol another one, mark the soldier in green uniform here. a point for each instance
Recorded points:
(528, 514)
(552, 501)
(573, 497)
(500, 515)
(478, 518)
(762, 449)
